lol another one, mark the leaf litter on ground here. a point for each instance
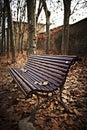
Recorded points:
(14, 107)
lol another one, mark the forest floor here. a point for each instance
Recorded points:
(14, 107)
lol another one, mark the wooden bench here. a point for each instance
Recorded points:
(43, 76)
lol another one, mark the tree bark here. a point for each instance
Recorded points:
(47, 13)
(47, 32)
(8, 40)
(3, 31)
(65, 34)
(11, 30)
(31, 8)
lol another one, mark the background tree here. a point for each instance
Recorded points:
(47, 14)
(43, 5)
(21, 6)
(31, 9)
(8, 40)
(3, 29)
(65, 34)
(30, 5)
(67, 13)
(10, 30)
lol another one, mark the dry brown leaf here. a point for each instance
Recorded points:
(45, 83)
(16, 86)
(76, 112)
(9, 97)
(64, 100)
(40, 83)
(61, 108)
(23, 70)
(35, 82)
(65, 96)
(69, 122)
(64, 91)
(65, 116)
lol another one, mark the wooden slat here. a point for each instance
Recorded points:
(45, 78)
(66, 57)
(30, 79)
(45, 75)
(51, 64)
(25, 89)
(48, 68)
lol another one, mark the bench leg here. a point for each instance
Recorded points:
(32, 115)
(40, 105)
(37, 107)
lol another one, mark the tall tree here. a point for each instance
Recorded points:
(65, 34)
(21, 6)
(67, 13)
(3, 30)
(47, 14)
(43, 4)
(8, 41)
(10, 29)
(0, 25)
(31, 8)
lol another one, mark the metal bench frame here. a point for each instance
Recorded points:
(57, 68)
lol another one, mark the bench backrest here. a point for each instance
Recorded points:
(52, 68)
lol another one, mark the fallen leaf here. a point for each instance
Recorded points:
(76, 112)
(9, 97)
(40, 83)
(23, 70)
(69, 122)
(45, 83)
(35, 82)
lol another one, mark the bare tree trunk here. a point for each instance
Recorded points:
(8, 40)
(65, 34)
(22, 35)
(31, 7)
(15, 35)
(39, 10)
(47, 32)
(47, 13)
(19, 37)
(11, 30)
(3, 31)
